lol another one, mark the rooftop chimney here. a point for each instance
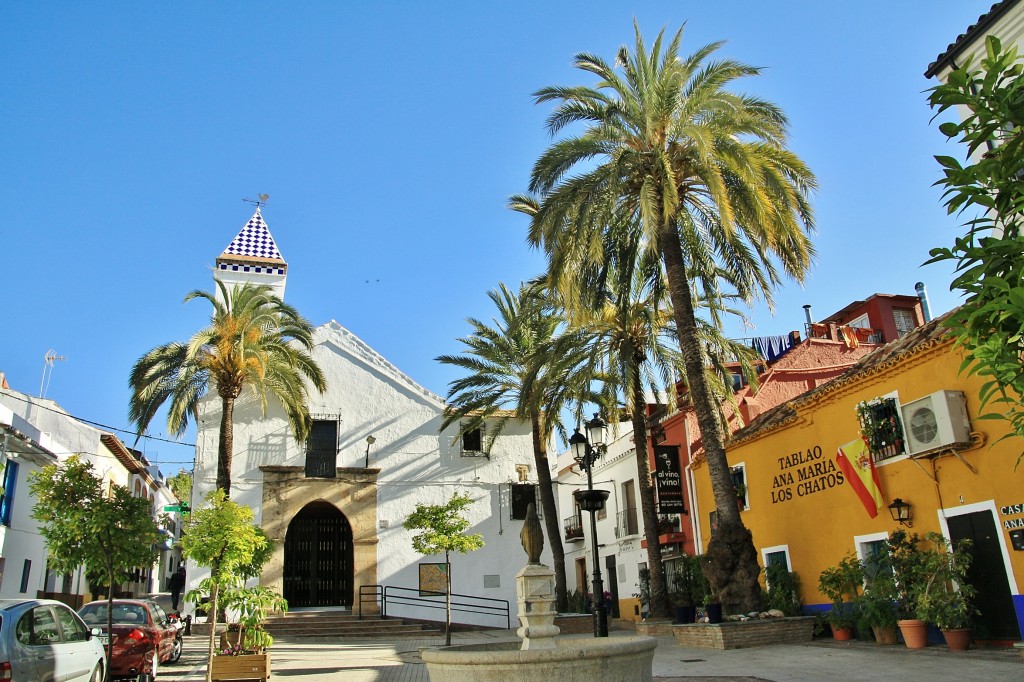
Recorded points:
(807, 313)
(923, 295)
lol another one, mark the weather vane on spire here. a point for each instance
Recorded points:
(261, 201)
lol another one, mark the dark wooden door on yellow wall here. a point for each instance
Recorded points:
(998, 619)
(318, 558)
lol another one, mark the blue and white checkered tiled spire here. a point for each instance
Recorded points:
(253, 249)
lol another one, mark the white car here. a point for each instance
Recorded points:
(45, 640)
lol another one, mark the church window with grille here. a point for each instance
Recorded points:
(322, 448)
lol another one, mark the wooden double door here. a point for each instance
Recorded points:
(318, 568)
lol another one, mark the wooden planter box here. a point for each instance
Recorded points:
(244, 667)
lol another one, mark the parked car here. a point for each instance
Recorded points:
(42, 639)
(144, 637)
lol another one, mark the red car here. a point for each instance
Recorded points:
(144, 637)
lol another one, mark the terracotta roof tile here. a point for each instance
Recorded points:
(918, 340)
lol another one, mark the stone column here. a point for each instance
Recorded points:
(535, 592)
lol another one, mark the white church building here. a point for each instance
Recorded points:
(334, 505)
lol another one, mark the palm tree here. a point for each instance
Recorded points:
(255, 340)
(522, 368)
(707, 174)
(621, 305)
(629, 320)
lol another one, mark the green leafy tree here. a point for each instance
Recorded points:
(220, 535)
(522, 367)
(714, 189)
(181, 485)
(989, 326)
(255, 340)
(620, 306)
(110, 535)
(443, 529)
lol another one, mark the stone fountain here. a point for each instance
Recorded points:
(539, 654)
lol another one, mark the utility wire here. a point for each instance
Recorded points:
(101, 425)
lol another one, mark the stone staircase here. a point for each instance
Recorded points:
(336, 624)
(344, 624)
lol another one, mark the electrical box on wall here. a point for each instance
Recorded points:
(1017, 539)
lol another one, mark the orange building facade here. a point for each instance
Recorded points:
(960, 479)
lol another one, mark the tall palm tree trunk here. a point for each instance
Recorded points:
(656, 569)
(547, 500)
(225, 444)
(731, 560)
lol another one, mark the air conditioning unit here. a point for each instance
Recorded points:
(936, 421)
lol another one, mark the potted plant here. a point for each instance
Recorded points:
(945, 598)
(712, 607)
(837, 583)
(689, 588)
(878, 602)
(252, 605)
(910, 569)
(880, 427)
(741, 495)
(783, 593)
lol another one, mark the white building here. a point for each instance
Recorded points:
(37, 432)
(24, 449)
(335, 505)
(620, 526)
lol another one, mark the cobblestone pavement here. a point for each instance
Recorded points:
(399, 661)
(330, 660)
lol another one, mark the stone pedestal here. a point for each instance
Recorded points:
(535, 592)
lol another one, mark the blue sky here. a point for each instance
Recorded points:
(389, 136)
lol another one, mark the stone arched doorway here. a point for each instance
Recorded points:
(318, 558)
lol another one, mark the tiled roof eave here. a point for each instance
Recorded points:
(122, 454)
(973, 32)
(842, 385)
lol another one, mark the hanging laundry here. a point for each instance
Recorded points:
(771, 347)
(849, 336)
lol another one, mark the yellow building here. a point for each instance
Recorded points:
(945, 462)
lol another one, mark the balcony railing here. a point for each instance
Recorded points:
(573, 529)
(833, 332)
(626, 523)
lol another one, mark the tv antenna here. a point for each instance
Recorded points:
(48, 360)
(260, 201)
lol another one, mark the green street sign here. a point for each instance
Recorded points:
(172, 507)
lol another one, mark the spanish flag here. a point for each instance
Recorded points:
(855, 461)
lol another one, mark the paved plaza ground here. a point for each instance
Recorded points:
(399, 661)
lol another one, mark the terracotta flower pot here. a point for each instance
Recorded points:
(915, 633)
(958, 640)
(842, 634)
(885, 636)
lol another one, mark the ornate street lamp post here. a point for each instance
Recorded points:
(586, 450)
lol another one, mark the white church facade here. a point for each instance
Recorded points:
(334, 506)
